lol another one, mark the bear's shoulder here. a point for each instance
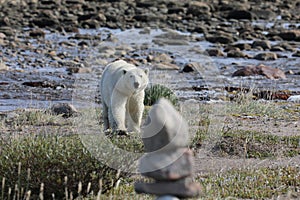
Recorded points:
(119, 66)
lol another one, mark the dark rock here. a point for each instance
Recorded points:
(5, 21)
(79, 70)
(297, 54)
(242, 46)
(198, 8)
(45, 22)
(236, 54)
(214, 52)
(269, 72)
(290, 35)
(90, 23)
(188, 68)
(266, 56)
(183, 188)
(263, 44)
(240, 14)
(37, 33)
(64, 109)
(220, 38)
(8, 31)
(225, 5)
(176, 10)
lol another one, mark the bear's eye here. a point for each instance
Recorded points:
(131, 76)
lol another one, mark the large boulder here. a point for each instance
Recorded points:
(269, 72)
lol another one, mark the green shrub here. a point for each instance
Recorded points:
(157, 91)
(59, 162)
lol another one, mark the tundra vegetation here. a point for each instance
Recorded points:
(42, 156)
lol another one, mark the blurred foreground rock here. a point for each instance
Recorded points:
(167, 160)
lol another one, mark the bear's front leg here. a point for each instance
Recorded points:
(135, 110)
(118, 111)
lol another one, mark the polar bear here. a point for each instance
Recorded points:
(122, 91)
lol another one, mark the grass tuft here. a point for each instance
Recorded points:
(157, 91)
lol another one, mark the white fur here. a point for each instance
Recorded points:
(295, 98)
(122, 92)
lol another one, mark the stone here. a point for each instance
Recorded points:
(168, 41)
(79, 70)
(164, 129)
(269, 72)
(2, 36)
(43, 84)
(3, 66)
(167, 165)
(198, 8)
(277, 48)
(43, 22)
(297, 54)
(242, 46)
(223, 38)
(167, 197)
(266, 56)
(184, 188)
(166, 66)
(265, 14)
(240, 14)
(162, 58)
(236, 54)
(189, 67)
(37, 33)
(214, 52)
(64, 109)
(263, 44)
(290, 35)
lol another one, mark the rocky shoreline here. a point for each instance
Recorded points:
(208, 16)
(44, 45)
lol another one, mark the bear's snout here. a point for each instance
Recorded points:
(136, 85)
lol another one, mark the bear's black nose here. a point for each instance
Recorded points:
(136, 84)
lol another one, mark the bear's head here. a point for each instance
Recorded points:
(135, 80)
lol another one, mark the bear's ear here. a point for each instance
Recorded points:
(124, 71)
(146, 71)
